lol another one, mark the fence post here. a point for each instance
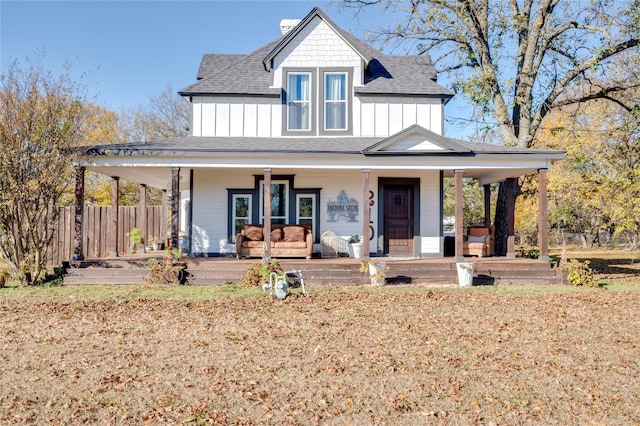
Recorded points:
(79, 213)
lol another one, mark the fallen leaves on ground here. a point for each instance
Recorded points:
(370, 357)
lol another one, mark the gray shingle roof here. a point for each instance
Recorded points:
(226, 74)
(203, 145)
(213, 63)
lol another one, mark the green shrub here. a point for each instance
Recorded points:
(580, 273)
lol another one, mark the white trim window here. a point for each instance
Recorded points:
(299, 101)
(241, 211)
(279, 202)
(335, 101)
(306, 209)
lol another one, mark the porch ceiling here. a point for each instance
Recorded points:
(156, 177)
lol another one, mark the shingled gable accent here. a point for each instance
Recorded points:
(316, 12)
(416, 140)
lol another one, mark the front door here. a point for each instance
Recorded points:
(398, 219)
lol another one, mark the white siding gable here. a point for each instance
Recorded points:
(317, 45)
(413, 143)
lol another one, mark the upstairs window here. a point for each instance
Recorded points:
(299, 101)
(335, 101)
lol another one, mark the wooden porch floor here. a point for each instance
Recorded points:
(341, 271)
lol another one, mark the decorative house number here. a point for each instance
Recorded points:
(344, 208)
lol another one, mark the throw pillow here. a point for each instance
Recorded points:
(293, 233)
(276, 235)
(252, 232)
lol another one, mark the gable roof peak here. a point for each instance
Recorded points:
(316, 12)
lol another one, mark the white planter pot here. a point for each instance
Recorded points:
(373, 271)
(465, 274)
(355, 250)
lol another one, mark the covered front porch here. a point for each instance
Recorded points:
(387, 190)
(378, 211)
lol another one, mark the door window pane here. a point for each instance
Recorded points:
(279, 202)
(306, 209)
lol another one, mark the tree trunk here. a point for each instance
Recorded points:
(500, 221)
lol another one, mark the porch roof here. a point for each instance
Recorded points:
(150, 162)
(209, 145)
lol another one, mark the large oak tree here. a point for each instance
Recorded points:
(518, 60)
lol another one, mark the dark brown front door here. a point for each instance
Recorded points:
(398, 219)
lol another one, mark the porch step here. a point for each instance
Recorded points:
(217, 271)
(106, 271)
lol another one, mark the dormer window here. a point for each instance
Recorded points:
(335, 101)
(299, 101)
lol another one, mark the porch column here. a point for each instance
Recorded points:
(163, 218)
(175, 205)
(267, 213)
(366, 215)
(78, 243)
(543, 222)
(487, 205)
(144, 230)
(511, 208)
(113, 237)
(459, 216)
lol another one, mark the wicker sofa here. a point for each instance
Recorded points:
(478, 242)
(286, 241)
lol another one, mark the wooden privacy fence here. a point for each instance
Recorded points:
(97, 229)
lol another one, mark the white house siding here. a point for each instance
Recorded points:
(386, 116)
(209, 208)
(249, 117)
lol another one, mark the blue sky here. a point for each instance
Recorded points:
(131, 50)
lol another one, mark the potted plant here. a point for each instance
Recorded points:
(135, 238)
(377, 270)
(155, 243)
(355, 246)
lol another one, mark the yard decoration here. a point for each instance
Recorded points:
(279, 284)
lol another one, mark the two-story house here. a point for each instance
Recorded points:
(347, 138)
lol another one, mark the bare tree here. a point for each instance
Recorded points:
(165, 116)
(40, 121)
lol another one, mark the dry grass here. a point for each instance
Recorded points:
(358, 356)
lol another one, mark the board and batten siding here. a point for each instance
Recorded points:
(242, 117)
(384, 117)
(250, 117)
(209, 208)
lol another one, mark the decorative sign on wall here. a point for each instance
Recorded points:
(344, 208)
